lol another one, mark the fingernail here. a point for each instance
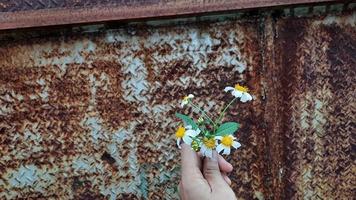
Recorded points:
(215, 156)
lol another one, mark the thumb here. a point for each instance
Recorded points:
(212, 172)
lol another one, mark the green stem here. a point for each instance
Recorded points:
(223, 112)
(202, 112)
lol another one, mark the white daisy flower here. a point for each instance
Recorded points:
(207, 147)
(239, 91)
(226, 142)
(186, 134)
(186, 100)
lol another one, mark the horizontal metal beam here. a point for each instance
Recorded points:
(42, 13)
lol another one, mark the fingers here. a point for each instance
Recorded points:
(212, 172)
(181, 192)
(224, 165)
(226, 178)
(191, 163)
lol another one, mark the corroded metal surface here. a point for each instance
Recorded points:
(38, 13)
(91, 115)
(26, 5)
(311, 110)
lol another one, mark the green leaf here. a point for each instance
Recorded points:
(187, 120)
(227, 128)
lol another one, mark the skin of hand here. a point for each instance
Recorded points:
(204, 179)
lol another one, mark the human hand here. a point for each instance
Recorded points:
(204, 179)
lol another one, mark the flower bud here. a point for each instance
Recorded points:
(195, 145)
(200, 120)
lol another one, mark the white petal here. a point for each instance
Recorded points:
(245, 97)
(178, 142)
(236, 144)
(219, 148)
(189, 132)
(188, 140)
(192, 133)
(236, 93)
(190, 96)
(183, 103)
(218, 138)
(195, 133)
(202, 149)
(228, 89)
(226, 151)
(209, 153)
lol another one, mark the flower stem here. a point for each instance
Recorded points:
(202, 112)
(223, 112)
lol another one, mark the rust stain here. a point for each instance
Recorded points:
(91, 115)
(115, 111)
(34, 13)
(307, 97)
(292, 32)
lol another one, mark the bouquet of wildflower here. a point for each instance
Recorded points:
(207, 134)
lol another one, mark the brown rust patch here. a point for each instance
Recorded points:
(83, 189)
(128, 196)
(341, 156)
(20, 79)
(55, 53)
(57, 114)
(114, 110)
(291, 33)
(70, 89)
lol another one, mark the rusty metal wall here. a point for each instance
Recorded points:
(39, 13)
(88, 112)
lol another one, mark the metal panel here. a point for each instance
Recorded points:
(89, 114)
(35, 13)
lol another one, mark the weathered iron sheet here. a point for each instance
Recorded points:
(35, 13)
(90, 114)
(311, 107)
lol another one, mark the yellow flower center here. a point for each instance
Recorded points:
(210, 143)
(241, 88)
(180, 132)
(227, 141)
(186, 98)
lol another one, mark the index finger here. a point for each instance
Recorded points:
(224, 165)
